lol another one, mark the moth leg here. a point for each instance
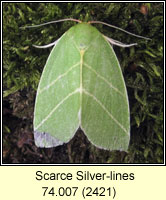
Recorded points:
(47, 45)
(117, 43)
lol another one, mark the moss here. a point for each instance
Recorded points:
(142, 67)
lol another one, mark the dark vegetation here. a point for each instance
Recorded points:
(142, 66)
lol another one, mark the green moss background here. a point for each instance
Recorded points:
(142, 66)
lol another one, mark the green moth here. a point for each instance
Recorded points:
(82, 86)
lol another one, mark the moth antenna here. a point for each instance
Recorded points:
(52, 22)
(112, 26)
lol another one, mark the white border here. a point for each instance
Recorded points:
(2, 83)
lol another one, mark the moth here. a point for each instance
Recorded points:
(82, 86)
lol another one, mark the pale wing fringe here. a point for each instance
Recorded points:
(112, 26)
(47, 45)
(52, 22)
(117, 43)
